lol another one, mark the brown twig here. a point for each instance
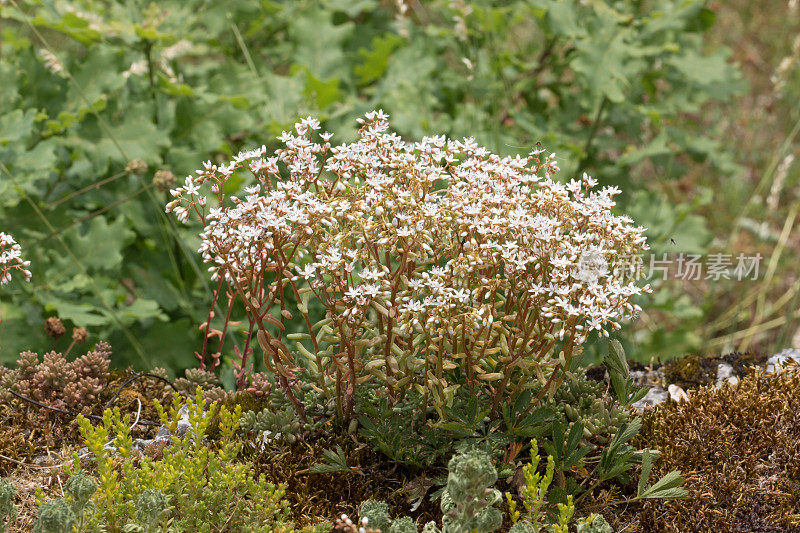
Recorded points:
(71, 413)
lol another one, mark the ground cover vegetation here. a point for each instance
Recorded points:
(460, 333)
(385, 328)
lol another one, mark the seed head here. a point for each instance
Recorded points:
(163, 180)
(136, 166)
(54, 327)
(79, 335)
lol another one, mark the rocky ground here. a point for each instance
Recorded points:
(675, 379)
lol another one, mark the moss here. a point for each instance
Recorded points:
(739, 448)
(694, 370)
(741, 362)
(248, 401)
(690, 371)
(245, 400)
(370, 476)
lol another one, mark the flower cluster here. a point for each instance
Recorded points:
(430, 256)
(11, 259)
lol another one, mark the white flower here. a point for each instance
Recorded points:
(189, 187)
(11, 259)
(371, 274)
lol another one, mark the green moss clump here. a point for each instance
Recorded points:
(690, 371)
(694, 371)
(243, 401)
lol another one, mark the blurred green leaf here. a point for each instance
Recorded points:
(375, 60)
(100, 246)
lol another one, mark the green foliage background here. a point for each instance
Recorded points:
(611, 86)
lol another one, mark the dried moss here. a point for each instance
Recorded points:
(370, 476)
(739, 448)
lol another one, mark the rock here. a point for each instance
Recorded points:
(183, 422)
(654, 396)
(167, 439)
(725, 374)
(647, 377)
(46, 460)
(109, 447)
(783, 359)
(267, 438)
(677, 393)
(141, 444)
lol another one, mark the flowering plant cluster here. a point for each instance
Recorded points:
(11, 259)
(439, 263)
